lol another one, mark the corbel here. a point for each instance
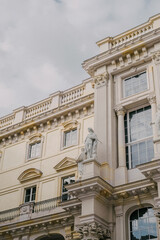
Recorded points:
(136, 53)
(114, 64)
(15, 137)
(4, 142)
(10, 140)
(62, 119)
(28, 131)
(77, 114)
(85, 111)
(92, 108)
(42, 127)
(35, 129)
(49, 125)
(22, 135)
(55, 122)
(121, 62)
(129, 59)
(144, 51)
(69, 116)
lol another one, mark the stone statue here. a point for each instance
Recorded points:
(91, 144)
(157, 121)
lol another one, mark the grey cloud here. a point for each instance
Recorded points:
(44, 42)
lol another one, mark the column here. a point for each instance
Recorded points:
(121, 171)
(101, 115)
(152, 101)
(156, 69)
(120, 234)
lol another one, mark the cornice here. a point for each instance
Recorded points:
(47, 121)
(118, 53)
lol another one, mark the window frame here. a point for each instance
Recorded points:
(70, 144)
(67, 127)
(130, 143)
(130, 77)
(25, 189)
(34, 140)
(129, 216)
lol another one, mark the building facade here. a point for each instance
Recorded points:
(50, 190)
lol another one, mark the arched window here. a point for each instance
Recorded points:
(143, 224)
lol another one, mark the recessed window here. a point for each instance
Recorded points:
(70, 138)
(30, 194)
(65, 182)
(34, 150)
(138, 137)
(143, 224)
(135, 84)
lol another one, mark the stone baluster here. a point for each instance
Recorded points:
(121, 171)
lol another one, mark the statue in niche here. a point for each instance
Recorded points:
(157, 121)
(91, 142)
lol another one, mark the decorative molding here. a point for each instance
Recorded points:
(93, 231)
(65, 164)
(35, 136)
(70, 125)
(152, 98)
(101, 79)
(156, 57)
(30, 174)
(120, 110)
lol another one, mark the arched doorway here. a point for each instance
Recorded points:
(54, 236)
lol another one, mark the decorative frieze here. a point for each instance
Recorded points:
(93, 231)
(47, 125)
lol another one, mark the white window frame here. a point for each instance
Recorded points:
(129, 215)
(129, 144)
(70, 126)
(70, 143)
(34, 140)
(130, 77)
(31, 187)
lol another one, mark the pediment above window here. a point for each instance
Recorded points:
(35, 137)
(30, 174)
(70, 125)
(65, 164)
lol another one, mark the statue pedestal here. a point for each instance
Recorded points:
(91, 168)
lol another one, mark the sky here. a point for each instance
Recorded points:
(44, 42)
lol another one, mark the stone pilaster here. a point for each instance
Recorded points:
(156, 69)
(119, 223)
(121, 171)
(152, 101)
(101, 114)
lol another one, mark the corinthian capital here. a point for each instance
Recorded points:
(101, 79)
(120, 110)
(156, 57)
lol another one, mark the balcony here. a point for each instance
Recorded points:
(31, 210)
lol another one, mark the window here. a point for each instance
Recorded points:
(34, 150)
(70, 138)
(135, 84)
(30, 194)
(66, 181)
(143, 224)
(138, 137)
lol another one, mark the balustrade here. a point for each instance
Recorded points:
(72, 95)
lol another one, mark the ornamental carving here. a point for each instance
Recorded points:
(101, 79)
(120, 110)
(156, 57)
(93, 230)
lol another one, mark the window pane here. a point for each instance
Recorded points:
(34, 150)
(135, 84)
(66, 181)
(70, 138)
(143, 224)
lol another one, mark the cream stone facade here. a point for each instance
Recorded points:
(49, 190)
